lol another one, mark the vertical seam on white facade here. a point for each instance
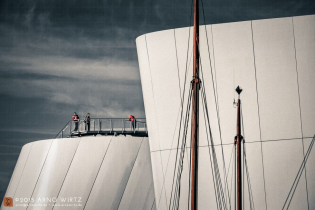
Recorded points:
(261, 146)
(130, 172)
(97, 172)
(67, 172)
(301, 123)
(40, 172)
(146, 44)
(23, 170)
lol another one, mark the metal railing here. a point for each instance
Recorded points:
(111, 126)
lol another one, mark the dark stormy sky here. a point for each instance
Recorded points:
(60, 56)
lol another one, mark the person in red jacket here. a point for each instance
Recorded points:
(76, 120)
(133, 121)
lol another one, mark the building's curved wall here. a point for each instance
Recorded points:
(273, 61)
(95, 172)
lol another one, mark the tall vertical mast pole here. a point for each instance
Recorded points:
(239, 139)
(195, 112)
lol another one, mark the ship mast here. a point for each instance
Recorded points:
(195, 112)
(238, 140)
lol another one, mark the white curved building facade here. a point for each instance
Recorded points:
(273, 62)
(104, 172)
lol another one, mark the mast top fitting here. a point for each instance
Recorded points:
(238, 90)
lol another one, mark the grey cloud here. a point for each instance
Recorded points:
(57, 57)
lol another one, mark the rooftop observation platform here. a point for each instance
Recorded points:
(105, 126)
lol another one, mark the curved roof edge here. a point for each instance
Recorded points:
(222, 23)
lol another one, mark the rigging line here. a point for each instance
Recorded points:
(216, 102)
(146, 43)
(250, 192)
(182, 98)
(212, 170)
(244, 174)
(232, 172)
(264, 141)
(261, 147)
(243, 131)
(217, 182)
(249, 142)
(245, 160)
(251, 200)
(214, 167)
(230, 161)
(181, 108)
(218, 108)
(298, 176)
(189, 172)
(181, 159)
(183, 149)
(175, 198)
(185, 130)
(218, 178)
(298, 87)
(177, 65)
(304, 167)
(207, 117)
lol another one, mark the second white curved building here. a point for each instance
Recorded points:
(102, 172)
(273, 62)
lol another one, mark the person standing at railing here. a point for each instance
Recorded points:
(133, 121)
(76, 120)
(87, 121)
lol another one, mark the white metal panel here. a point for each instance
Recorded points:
(233, 52)
(281, 167)
(234, 65)
(256, 174)
(165, 73)
(18, 170)
(208, 78)
(54, 171)
(70, 172)
(170, 183)
(139, 192)
(158, 178)
(206, 194)
(114, 173)
(277, 79)
(310, 173)
(184, 187)
(31, 172)
(184, 55)
(147, 91)
(83, 171)
(304, 30)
